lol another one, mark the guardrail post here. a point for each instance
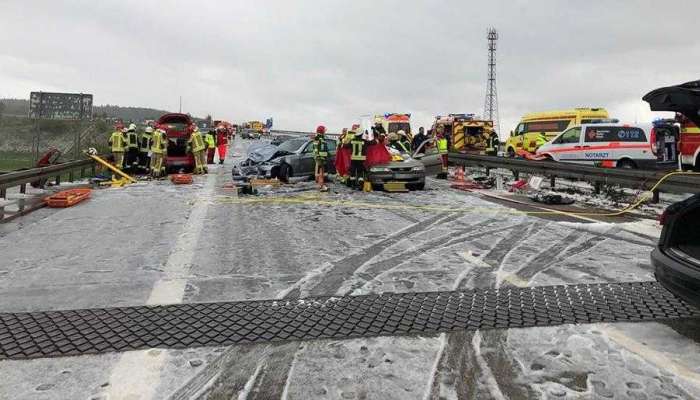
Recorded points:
(516, 175)
(552, 181)
(23, 188)
(70, 176)
(3, 194)
(58, 180)
(655, 196)
(596, 188)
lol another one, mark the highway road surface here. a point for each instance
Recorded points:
(156, 243)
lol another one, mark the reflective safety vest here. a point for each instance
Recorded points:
(157, 143)
(196, 141)
(357, 150)
(133, 140)
(211, 142)
(145, 142)
(320, 147)
(117, 142)
(442, 145)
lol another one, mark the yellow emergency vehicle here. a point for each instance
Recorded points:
(467, 132)
(257, 126)
(536, 129)
(394, 122)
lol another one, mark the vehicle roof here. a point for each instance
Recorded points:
(175, 117)
(567, 113)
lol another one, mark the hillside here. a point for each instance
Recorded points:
(20, 108)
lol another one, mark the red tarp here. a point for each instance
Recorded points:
(376, 154)
(342, 161)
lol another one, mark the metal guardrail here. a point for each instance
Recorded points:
(629, 178)
(27, 176)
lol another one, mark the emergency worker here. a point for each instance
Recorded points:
(492, 144)
(211, 146)
(442, 150)
(132, 147)
(198, 146)
(118, 143)
(320, 156)
(145, 148)
(418, 139)
(157, 140)
(358, 155)
(221, 143)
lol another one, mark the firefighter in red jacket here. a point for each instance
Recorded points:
(222, 143)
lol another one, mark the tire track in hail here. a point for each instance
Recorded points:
(228, 374)
(459, 371)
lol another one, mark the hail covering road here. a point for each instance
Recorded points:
(155, 243)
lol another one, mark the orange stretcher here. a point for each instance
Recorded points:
(181, 179)
(67, 198)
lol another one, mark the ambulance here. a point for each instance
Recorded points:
(536, 129)
(613, 145)
(394, 122)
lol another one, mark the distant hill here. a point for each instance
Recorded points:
(20, 108)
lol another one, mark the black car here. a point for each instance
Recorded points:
(676, 259)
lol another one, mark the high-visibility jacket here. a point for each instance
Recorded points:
(196, 141)
(211, 141)
(358, 150)
(145, 142)
(132, 140)
(320, 147)
(400, 146)
(157, 141)
(442, 145)
(117, 141)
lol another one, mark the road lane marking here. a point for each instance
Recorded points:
(137, 373)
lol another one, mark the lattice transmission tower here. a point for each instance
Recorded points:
(491, 102)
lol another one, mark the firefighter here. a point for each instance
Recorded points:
(396, 142)
(211, 146)
(442, 150)
(197, 146)
(358, 155)
(118, 143)
(156, 148)
(492, 144)
(132, 148)
(145, 148)
(320, 156)
(221, 143)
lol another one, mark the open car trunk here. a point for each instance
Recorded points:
(685, 237)
(684, 99)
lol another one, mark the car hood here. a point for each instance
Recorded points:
(400, 164)
(260, 153)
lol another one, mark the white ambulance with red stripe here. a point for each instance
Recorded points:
(610, 145)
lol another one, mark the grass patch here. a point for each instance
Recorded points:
(12, 160)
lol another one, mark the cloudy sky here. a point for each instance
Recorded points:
(331, 61)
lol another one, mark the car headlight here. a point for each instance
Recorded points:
(379, 169)
(418, 168)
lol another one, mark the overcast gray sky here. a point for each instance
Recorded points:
(330, 61)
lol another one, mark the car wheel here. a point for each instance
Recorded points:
(626, 164)
(285, 173)
(275, 172)
(416, 186)
(511, 152)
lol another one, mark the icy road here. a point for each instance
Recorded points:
(155, 243)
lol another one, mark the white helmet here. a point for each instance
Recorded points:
(132, 127)
(161, 130)
(401, 132)
(125, 130)
(149, 130)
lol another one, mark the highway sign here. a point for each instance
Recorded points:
(60, 105)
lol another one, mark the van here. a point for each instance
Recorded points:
(612, 145)
(178, 128)
(536, 129)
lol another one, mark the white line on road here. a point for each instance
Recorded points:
(137, 373)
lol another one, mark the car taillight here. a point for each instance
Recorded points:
(652, 139)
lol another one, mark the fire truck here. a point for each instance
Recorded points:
(466, 133)
(684, 100)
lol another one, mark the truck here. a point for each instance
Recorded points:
(178, 128)
(684, 101)
(467, 133)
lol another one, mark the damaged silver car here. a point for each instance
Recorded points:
(292, 158)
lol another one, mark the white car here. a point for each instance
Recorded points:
(610, 145)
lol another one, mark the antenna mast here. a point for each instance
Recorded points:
(491, 102)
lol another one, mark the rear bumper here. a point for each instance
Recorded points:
(378, 178)
(179, 161)
(677, 277)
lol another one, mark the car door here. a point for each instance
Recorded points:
(568, 146)
(307, 164)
